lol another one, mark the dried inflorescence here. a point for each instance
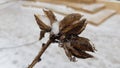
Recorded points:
(67, 37)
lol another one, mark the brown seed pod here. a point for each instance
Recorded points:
(82, 44)
(79, 28)
(50, 15)
(69, 19)
(75, 28)
(70, 27)
(78, 53)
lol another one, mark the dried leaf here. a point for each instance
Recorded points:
(69, 19)
(50, 15)
(41, 24)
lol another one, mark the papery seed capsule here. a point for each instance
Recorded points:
(75, 28)
(69, 19)
(79, 28)
(78, 53)
(70, 27)
(83, 44)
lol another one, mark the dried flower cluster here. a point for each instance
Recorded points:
(67, 36)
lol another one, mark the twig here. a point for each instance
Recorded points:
(38, 57)
(69, 29)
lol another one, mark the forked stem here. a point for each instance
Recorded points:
(37, 58)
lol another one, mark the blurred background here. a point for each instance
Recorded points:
(19, 33)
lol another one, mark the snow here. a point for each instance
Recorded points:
(55, 27)
(19, 43)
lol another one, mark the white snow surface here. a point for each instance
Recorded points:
(19, 34)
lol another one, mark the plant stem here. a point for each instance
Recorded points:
(37, 58)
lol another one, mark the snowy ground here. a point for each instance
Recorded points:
(19, 34)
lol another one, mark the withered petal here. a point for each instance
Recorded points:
(41, 24)
(50, 15)
(69, 19)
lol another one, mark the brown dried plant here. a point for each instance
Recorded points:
(67, 37)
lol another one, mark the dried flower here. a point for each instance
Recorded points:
(67, 37)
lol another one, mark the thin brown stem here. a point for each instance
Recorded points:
(37, 58)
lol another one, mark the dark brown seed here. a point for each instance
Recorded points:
(69, 19)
